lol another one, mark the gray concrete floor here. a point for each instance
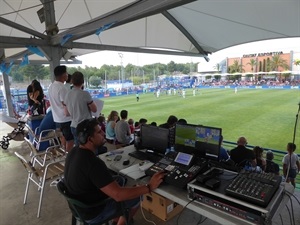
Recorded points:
(54, 208)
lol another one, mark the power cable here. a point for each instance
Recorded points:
(292, 208)
(177, 221)
(281, 219)
(292, 195)
(142, 211)
(289, 213)
(200, 222)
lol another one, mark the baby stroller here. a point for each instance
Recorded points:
(17, 134)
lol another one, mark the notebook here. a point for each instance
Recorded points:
(133, 172)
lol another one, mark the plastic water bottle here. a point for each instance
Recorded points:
(167, 151)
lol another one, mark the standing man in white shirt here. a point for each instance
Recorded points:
(57, 92)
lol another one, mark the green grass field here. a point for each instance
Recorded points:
(266, 117)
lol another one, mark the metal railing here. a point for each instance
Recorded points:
(20, 101)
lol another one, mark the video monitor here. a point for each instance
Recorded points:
(185, 138)
(201, 141)
(183, 158)
(208, 141)
(154, 138)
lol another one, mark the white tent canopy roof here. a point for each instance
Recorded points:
(175, 27)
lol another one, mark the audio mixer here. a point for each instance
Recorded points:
(239, 207)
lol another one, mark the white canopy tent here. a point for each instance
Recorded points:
(187, 27)
(50, 30)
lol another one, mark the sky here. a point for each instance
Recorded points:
(140, 59)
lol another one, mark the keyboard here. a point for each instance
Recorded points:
(145, 156)
(177, 175)
(256, 188)
(181, 176)
(159, 166)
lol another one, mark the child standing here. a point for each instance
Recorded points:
(291, 164)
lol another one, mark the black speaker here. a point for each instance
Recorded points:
(82, 137)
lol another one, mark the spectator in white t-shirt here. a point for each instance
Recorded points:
(291, 165)
(57, 92)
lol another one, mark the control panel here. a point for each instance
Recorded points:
(179, 171)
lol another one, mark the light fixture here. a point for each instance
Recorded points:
(67, 55)
(41, 15)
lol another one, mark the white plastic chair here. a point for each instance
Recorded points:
(51, 153)
(40, 174)
(49, 136)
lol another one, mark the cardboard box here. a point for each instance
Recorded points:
(160, 206)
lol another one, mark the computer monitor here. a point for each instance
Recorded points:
(154, 138)
(201, 141)
(208, 141)
(185, 138)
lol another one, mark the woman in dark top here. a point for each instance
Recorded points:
(260, 161)
(29, 92)
(37, 96)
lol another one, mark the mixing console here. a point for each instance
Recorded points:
(257, 188)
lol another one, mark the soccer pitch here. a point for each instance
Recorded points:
(266, 117)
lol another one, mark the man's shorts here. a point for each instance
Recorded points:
(292, 173)
(66, 130)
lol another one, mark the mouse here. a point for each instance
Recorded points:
(126, 162)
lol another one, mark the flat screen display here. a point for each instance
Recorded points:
(154, 138)
(208, 140)
(201, 141)
(185, 138)
(183, 158)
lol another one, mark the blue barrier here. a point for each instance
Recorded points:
(287, 87)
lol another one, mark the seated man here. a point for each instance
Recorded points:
(241, 155)
(122, 130)
(171, 122)
(88, 179)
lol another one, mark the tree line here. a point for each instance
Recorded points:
(266, 65)
(95, 76)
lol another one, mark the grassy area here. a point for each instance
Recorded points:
(265, 117)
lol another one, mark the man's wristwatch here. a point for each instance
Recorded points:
(149, 188)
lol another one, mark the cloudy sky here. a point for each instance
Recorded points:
(140, 59)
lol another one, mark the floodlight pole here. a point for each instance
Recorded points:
(122, 74)
(105, 80)
(296, 122)
(143, 76)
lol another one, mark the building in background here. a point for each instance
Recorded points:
(257, 66)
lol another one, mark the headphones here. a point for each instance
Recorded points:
(83, 135)
(82, 138)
